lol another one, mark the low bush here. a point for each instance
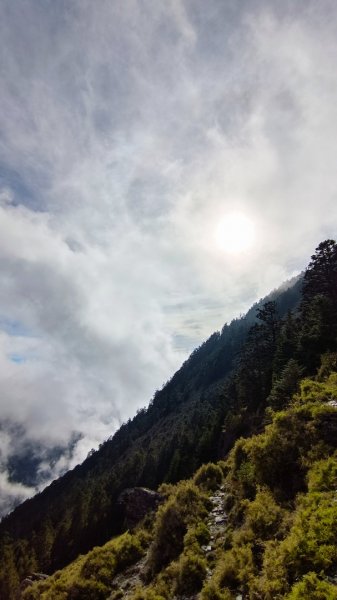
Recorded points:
(211, 591)
(263, 515)
(103, 563)
(183, 508)
(197, 535)
(322, 476)
(191, 574)
(237, 567)
(209, 477)
(87, 590)
(312, 588)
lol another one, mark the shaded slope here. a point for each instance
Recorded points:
(180, 430)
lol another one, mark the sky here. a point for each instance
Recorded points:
(129, 130)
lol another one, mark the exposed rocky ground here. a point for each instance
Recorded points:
(124, 584)
(217, 520)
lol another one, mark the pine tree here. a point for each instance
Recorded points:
(256, 369)
(319, 306)
(285, 386)
(287, 342)
(321, 275)
(267, 315)
(9, 576)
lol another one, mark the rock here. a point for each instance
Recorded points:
(219, 520)
(137, 502)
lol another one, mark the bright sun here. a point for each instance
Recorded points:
(235, 233)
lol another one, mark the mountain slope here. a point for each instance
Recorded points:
(279, 543)
(260, 525)
(180, 430)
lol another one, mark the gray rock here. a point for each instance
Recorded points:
(135, 503)
(219, 520)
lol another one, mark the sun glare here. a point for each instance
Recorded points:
(235, 233)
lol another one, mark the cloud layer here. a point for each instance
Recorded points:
(127, 130)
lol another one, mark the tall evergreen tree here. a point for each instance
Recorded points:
(319, 306)
(321, 275)
(255, 373)
(287, 342)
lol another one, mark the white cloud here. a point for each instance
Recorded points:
(126, 131)
(12, 493)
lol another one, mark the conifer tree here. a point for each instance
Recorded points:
(319, 306)
(321, 275)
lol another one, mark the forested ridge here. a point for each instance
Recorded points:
(244, 382)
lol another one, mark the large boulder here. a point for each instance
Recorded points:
(135, 503)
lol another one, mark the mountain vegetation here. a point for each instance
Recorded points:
(249, 420)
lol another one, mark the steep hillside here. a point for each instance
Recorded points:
(261, 525)
(227, 388)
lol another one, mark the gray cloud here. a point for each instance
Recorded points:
(126, 131)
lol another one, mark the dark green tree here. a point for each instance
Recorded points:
(9, 576)
(319, 306)
(254, 376)
(269, 323)
(287, 343)
(320, 277)
(285, 386)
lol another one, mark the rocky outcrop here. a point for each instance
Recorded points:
(217, 520)
(135, 503)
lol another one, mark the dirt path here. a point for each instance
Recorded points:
(217, 520)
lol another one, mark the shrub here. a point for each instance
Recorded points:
(272, 582)
(317, 391)
(263, 515)
(170, 528)
(103, 563)
(312, 541)
(209, 477)
(328, 364)
(322, 477)
(243, 471)
(312, 588)
(128, 550)
(166, 581)
(185, 507)
(211, 591)
(197, 535)
(192, 572)
(224, 466)
(278, 458)
(87, 590)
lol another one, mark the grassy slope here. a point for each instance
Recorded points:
(280, 541)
